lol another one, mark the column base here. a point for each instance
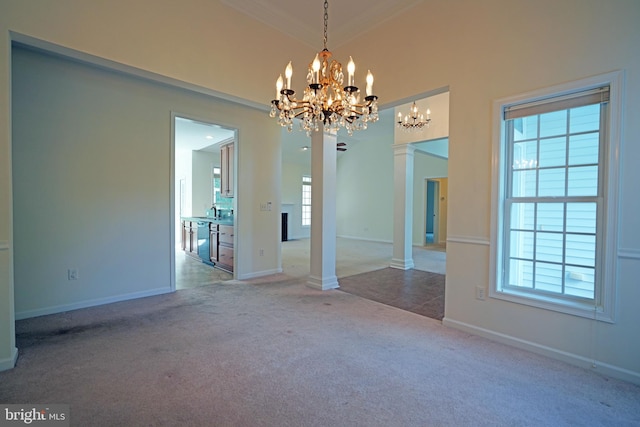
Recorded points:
(402, 264)
(323, 284)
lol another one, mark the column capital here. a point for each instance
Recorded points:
(406, 149)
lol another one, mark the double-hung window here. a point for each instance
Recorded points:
(554, 227)
(306, 201)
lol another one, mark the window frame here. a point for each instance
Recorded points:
(606, 239)
(306, 182)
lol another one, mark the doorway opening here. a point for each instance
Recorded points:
(199, 205)
(435, 213)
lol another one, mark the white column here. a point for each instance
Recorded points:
(323, 211)
(402, 257)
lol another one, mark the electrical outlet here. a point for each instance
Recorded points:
(72, 274)
(261, 252)
(480, 293)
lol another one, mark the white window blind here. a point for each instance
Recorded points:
(557, 103)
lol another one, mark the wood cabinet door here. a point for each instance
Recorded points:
(213, 243)
(226, 170)
(225, 234)
(183, 236)
(225, 257)
(193, 239)
(230, 186)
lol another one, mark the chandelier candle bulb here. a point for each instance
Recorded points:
(288, 72)
(351, 69)
(316, 69)
(278, 86)
(369, 83)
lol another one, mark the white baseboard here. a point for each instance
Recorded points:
(573, 359)
(402, 264)
(303, 237)
(89, 303)
(257, 274)
(344, 236)
(10, 363)
(323, 283)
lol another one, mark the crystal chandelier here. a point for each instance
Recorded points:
(325, 99)
(414, 120)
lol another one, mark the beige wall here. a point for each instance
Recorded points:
(486, 50)
(480, 50)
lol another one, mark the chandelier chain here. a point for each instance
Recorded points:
(326, 22)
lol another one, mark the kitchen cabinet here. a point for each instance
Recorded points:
(190, 238)
(226, 170)
(216, 241)
(225, 247)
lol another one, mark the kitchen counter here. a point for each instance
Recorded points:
(221, 221)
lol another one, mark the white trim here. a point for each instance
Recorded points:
(9, 363)
(469, 240)
(172, 203)
(257, 274)
(4, 245)
(90, 303)
(402, 264)
(344, 236)
(573, 359)
(629, 253)
(323, 283)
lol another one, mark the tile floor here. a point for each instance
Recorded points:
(420, 292)
(191, 272)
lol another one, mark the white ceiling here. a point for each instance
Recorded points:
(304, 19)
(196, 135)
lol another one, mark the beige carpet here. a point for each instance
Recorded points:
(273, 352)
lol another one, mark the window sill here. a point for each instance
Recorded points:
(573, 308)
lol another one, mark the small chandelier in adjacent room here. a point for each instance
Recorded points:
(326, 98)
(414, 120)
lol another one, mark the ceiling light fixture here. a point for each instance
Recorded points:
(414, 120)
(325, 99)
